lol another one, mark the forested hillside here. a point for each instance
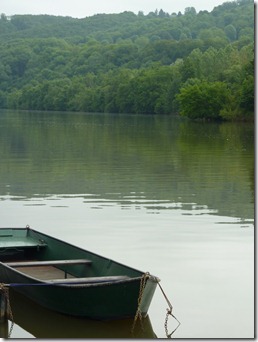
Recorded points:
(198, 64)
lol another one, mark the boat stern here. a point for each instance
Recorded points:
(147, 289)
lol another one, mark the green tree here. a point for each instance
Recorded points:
(190, 10)
(231, 32)
(202, 100)
(2, 99)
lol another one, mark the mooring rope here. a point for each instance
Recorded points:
(138, 314)
(169, 312)
(5, 291)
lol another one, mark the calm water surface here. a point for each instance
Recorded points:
(157, 193)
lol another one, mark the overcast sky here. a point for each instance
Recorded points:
(85, 8)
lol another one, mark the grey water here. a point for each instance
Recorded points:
(161, 194)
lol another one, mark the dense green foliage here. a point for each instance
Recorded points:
(198, 64)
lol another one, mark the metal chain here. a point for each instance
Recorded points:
(5, 290)
(169, 312)
(138, 311)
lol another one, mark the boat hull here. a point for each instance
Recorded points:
(34, 319)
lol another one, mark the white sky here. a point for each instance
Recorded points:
(85, 8)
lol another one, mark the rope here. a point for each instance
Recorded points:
(5, 291)
(169, 312)
(138, 314)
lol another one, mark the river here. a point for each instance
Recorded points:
(161, 194)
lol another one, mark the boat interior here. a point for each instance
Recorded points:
(26, 254)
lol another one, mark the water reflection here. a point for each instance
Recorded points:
(42, 323)
(113, 155)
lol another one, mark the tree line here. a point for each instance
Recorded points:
(200, 65)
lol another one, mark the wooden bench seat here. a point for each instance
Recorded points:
(48, 263)
(89, 280)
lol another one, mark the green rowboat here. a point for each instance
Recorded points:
(70, 280)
